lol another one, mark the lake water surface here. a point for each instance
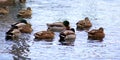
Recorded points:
(102, 13)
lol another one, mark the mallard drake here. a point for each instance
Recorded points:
(22, 1)
(84, 24)
(47, 35)
(25, 13)
(13, 33)
(96, 34)
(23, 26)
(59, 26)
(67, 37)
(4, 10)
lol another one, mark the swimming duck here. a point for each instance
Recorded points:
(25, 13)
(96, 34)
(7, 2)
(47, 35)
(67, 37)
(84, 24)
(4, 10)
(13, 33)
(59, 26)
(23, 26)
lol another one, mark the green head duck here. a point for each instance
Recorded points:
(66, 23)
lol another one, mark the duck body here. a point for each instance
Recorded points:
(7, 2)
(12, 34)
(96, 34)
(67, 37)
(58, 26)
(84, 24)
(23, 27)
(48, 35)
(4, 10)
(25, 13)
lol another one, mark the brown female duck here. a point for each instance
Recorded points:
(96, 34)
(84, 24)
(47, 35)
(7, 2)
(4, 10)
(25, 13)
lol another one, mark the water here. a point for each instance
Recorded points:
(103, 13)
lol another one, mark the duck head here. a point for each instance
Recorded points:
(86, 18)
(101, 29)
(72, 29)
(29, 8)
(87, 21)
(23, 21)
(66, 23)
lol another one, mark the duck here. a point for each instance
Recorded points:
(67, 37)
(46, 35)
(58, 26)
(22, 1)
(7, 2)
(84, 24)
(25, 13)
(4, 10)
(96, 34)
(13, 33)
(23, 26)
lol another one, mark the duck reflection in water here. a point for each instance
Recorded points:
(20, 50)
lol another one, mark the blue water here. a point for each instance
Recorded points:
(103, 13)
